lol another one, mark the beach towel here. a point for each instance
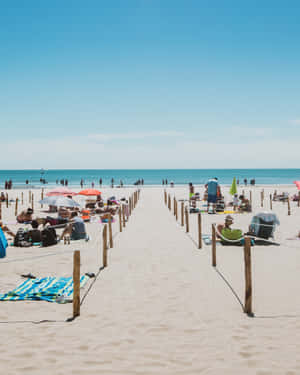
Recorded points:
(51, 289)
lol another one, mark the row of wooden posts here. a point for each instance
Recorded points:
(247, 247)
(21, 201)
(184, 216)
(262, 197)
(107, 242)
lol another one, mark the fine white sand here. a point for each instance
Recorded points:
(159, 307)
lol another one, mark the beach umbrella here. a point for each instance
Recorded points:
(59, 201)
(233, 189)
(60, 191)
(88, 192)
(297, 183)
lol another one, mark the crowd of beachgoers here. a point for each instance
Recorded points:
(158, 284)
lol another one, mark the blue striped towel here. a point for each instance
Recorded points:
(51, 289)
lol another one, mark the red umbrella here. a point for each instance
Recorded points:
(89, 192)
(61, 191)
(297, 183)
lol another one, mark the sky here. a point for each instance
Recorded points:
(149, 84)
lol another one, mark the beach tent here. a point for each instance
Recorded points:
(297, 183)
(89, 192)
(61, 191)
(3, 244)
(233, 189)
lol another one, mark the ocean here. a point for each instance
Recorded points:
(150, 176)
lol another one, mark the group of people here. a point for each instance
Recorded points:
(215, 199)
(8, 185)
(252, 181)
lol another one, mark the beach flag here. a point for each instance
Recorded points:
(233, 189)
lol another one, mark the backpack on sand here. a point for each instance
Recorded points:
(49, 237)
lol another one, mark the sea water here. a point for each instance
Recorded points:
(150, 176)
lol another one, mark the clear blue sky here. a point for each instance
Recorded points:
(149, 84)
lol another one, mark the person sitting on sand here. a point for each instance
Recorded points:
(76, 228)
(25, 216)
(245, 205)
(63, 213)
(2, 197)
(101, 209)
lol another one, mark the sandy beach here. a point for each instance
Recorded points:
(159, 307)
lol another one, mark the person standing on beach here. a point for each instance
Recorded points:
(245, 181)
(100, 182)
(212, 190)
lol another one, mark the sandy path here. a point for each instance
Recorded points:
(160, 308)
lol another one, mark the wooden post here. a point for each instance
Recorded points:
(187, 220)
(261, 199)
(111, 243)
(251, 198)
(248, 277)
(29, 196)
(182, 214)
(76, 283)
(165, 195)
(104, 243)
(129, 206)
(22, 198)
(176, 209)
(199, 231)
(289, 206)
(213, 246)
(120, 217)
(42, 196)
(123, 215)
(16, 207)
(169, 202)
(32, 202)
(6, 200)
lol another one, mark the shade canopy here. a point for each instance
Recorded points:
(59, 201)
(89, 192)
(60, 191)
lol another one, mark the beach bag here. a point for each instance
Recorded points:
(3, 244)
(21, 238)
(49, 237)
